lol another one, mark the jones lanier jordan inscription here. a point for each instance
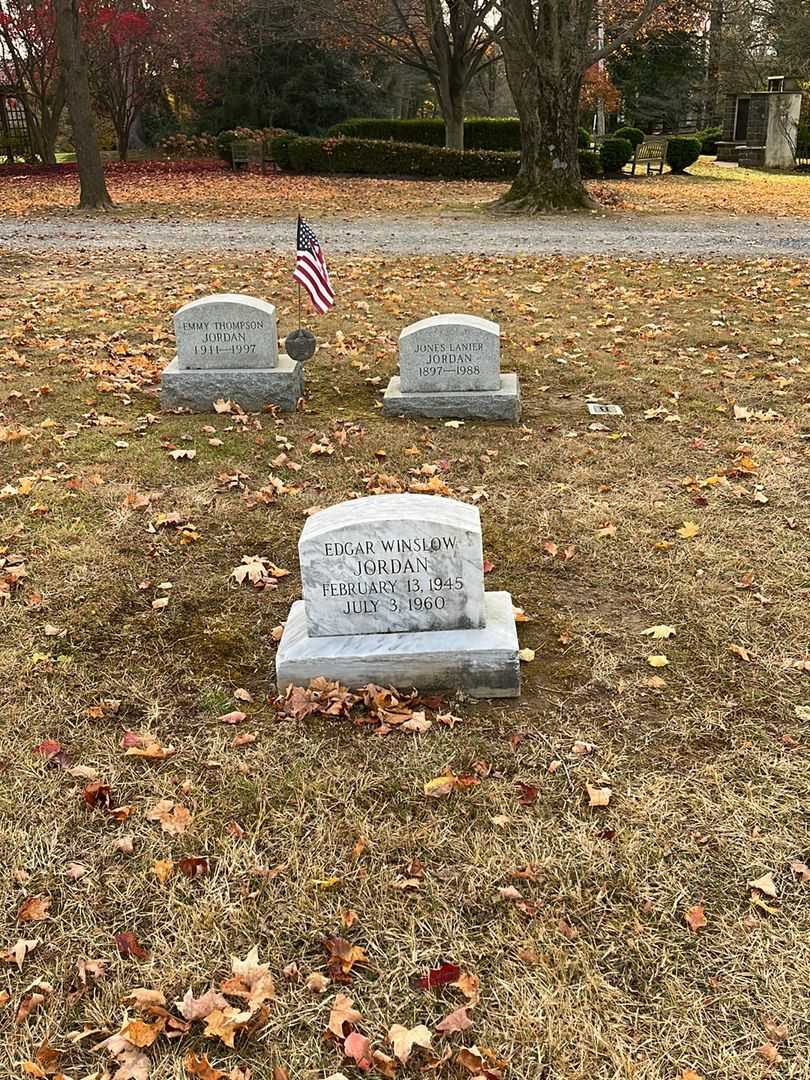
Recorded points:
(387, 564)
(449, 352)
(226, 330)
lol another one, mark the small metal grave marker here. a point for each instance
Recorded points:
(597, 409)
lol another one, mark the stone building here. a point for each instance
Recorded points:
(760, 128)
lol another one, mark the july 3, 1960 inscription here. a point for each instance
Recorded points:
(392, 563)
(226, 330)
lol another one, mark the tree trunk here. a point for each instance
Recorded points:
(544, 68)
(549, 177)
(454, 126)
(711, 108)
(94, 194)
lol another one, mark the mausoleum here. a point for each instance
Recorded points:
(761, 127)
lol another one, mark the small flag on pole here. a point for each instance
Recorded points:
(310, 268)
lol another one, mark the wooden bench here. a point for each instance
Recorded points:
(650, 152)
(248, 152)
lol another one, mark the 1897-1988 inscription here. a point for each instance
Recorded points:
(393, 574)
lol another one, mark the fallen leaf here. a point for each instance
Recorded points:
(440, 976)
(695, 918)
(358, 1048)
(598, 796)
(458, 1020)
(404, 1039)
(34, 909)
(657, 661)
(191, 1008)
(660, 632)
(342, 1013)
(766, 885)
(128, 945)
(688, 530)
(174, 818)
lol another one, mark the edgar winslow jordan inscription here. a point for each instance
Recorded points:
(387, 564)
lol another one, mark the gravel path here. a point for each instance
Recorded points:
(645, 235)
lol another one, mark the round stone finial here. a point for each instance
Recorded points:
(300, 345)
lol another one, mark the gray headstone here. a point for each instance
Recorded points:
(450, 352)
(392, 563)
(226, 330)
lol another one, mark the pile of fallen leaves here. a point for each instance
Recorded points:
(381, 708)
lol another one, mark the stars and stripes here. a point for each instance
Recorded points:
(310, 268)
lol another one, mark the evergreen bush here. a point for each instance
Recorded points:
(682, 152)
(615, 153)
(635, 136)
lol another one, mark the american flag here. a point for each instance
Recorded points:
(310, 268)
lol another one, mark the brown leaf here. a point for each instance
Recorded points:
(128, 945)
(458, 1020)
(598, 796)
(174, 818)
(225, 1024)
(766, 885)
(34, 909)
(18, 952)
(199, 1066)
(141, 1034)
(342, 1013)
(404, 1039)
(162, 869)
(696, 918)
(191, 1008)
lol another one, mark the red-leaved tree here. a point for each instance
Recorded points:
(29, 62)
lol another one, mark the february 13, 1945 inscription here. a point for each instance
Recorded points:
(380, 566)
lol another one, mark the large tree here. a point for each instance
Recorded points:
(28, 58)
(548, 45)
(93, 193)
(450, 41)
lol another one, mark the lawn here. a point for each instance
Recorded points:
(613, 941)
(205, 190)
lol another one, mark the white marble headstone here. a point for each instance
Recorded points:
(392, 563)
(450, 352)
(226, 330)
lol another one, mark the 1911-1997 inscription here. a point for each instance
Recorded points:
(376, 566)
(226, 330)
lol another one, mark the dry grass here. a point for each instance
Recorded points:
(157, 192)
(708, 772)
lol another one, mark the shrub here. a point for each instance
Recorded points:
(614, 154)
(681, 153)
(708, 140)
(635, 136)
(480, 133)
(243, 134)
(590, 165)
(377, 157)
(280, 150)
(189, 146)
(583, 138)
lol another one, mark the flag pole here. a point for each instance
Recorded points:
(299, 305)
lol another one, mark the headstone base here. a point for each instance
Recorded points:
(483, 663)
(251, 389)
(503, 404)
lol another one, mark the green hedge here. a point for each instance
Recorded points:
(583, 138)
(615, 153)
(681, 153)
(378, 157)
(709, 139)
(635, 136)
(480, 133)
